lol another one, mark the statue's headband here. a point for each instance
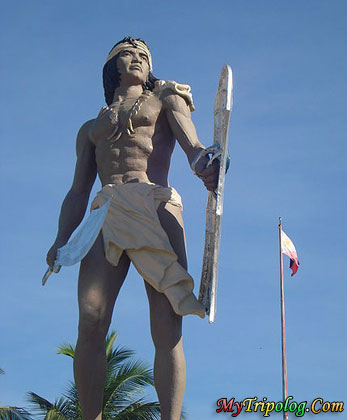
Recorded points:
(125, 45)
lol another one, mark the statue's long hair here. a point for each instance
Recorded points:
(111, 76)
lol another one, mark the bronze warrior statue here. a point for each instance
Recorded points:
(129, 146)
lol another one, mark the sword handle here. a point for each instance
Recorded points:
(49, 271)
(214, 150)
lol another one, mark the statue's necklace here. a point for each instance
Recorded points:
(118, 131)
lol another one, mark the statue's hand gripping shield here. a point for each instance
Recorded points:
(214, 209)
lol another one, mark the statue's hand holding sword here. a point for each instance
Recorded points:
(51, 261)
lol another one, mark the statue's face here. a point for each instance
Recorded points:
(133, 65)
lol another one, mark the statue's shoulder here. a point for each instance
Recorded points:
(84, 135)
(164, 87)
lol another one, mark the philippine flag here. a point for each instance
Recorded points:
(288, 248)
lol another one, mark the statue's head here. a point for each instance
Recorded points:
(112, 69)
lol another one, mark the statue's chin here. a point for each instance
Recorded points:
(133, 77)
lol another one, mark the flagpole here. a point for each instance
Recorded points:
(283, 324)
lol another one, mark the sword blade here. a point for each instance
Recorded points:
(222, 109)
(214, 209)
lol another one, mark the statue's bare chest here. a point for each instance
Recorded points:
(126, 117)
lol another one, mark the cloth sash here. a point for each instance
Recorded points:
(132, 225)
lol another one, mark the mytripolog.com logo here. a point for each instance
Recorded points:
(252, 405)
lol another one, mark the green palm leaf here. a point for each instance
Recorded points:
(61, 409)
(40, 404)
(14, 413)
(67, 349)
(126, 380)
(137, 410)
(72, 394)
(54, 414)
(75, 408)
(109, 341)
(130, 379)
(116, 357)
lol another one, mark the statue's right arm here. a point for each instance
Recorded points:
(76, 200)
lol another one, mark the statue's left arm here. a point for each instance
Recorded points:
(181, 124)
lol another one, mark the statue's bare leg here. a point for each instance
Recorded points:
(166, 327)
(98, 287)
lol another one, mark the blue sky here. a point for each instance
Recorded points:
(288, 149)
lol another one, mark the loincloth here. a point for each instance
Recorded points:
(132, 225)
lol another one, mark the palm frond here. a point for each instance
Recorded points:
(126, 380)
(137, 410)
(131, 378)
(67, 349)
(72, 396)
(109, 341)
(14, 413)
(71, 393)
(116, 357)
(2, 372)
(39, 404)
(55, 414)
(61, 409)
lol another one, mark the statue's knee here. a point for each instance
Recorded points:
(93, 324)
(166, 335)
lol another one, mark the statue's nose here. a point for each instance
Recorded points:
(136, 58)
